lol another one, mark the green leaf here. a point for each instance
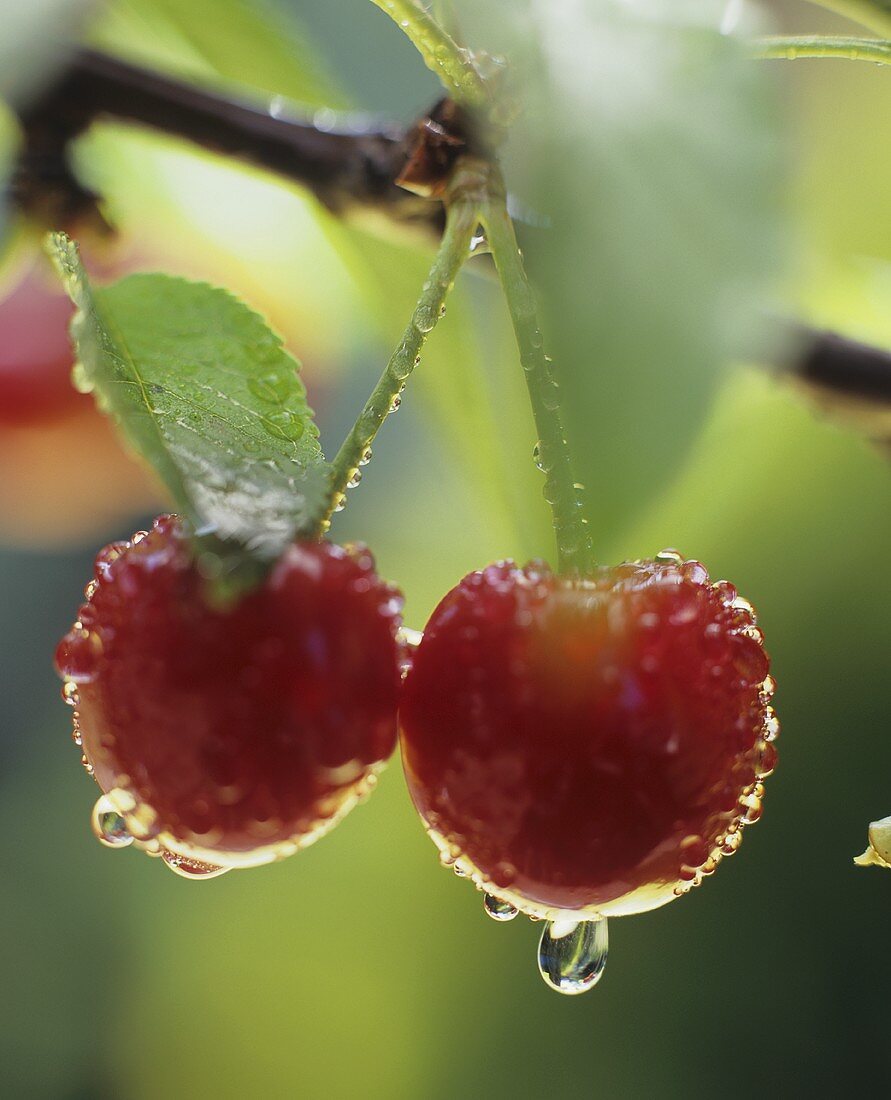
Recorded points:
(203, 390)
(252, 42)
(650, 146)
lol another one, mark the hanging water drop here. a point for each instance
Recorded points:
(571, 956)
(395, 403)
(497, 909)
(355, 479)
(191, 868)
(366, 457)
(479, 244)
(536, 457)
(109, 825)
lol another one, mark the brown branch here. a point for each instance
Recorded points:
(850, 380)
(343, 168)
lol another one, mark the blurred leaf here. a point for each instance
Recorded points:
(649, 145)
(204, 391)
(251, 42)
(35, 39)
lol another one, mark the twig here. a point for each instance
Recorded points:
(561, 490)
(849, 380)
(462, 220)
(452, 64)
(343, 168)
(785, 48)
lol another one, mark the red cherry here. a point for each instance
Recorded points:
(233, 736)
(588, 745)
(35, 354)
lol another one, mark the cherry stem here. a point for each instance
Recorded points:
(441, 53)
(462, 219)
(876, 50)
(875, 15)
(561, 489)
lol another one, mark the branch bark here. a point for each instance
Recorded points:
(344, 168)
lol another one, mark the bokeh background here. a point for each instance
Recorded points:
(361, 968)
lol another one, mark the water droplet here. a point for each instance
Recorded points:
(366, 457)
(695, 572)
(479, 244)
(771, 725)
(571, 957)
(537, 458)
(409, 640)
(355, 479)
(753, 810)
(550, 395)
(192, 868)
(732, 842)
(459, 871)
(78, 654)
(670, 556)
(69, 693)
(283, 424)
(137, 537)
(395, 403)
(768, 760)
(90, 590)
(272, 387)
(109, 825)
(497, 909)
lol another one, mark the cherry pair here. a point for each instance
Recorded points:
(580, 746)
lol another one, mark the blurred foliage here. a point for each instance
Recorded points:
(360, 967)
(650, 147)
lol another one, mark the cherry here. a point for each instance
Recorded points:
(35, 354)
(588, 746)
(236, 735)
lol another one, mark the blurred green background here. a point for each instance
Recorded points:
(361, 968)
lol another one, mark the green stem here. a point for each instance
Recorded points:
(462, 220)
(876, 50)
(561, 489)
(441, 53)
(875, 15)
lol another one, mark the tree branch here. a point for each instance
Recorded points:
(875, 50)
(343, 168)
(851, 381)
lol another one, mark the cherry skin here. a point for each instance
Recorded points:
(35, 354)
(233, 736)
(588, 746)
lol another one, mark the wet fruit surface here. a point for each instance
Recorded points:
(592, 745)
(233, 736)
